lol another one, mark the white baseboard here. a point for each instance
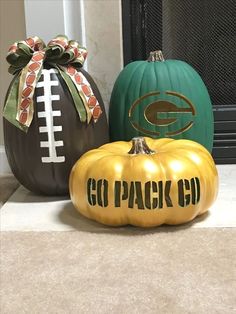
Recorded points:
(4, 166)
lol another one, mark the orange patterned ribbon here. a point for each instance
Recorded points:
(86, 92)
(29, 57)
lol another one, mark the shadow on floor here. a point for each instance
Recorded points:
(8, 185)
(71, 217)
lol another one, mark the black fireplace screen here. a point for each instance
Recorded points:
(200, 32)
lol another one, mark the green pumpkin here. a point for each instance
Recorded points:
(161, 98)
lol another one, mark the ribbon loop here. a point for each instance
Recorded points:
(28, 57)
(28, 80)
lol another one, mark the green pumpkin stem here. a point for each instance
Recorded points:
(156, 56)
(139, 146)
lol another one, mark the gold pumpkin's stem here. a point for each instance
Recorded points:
(139, 146)
(156, 56)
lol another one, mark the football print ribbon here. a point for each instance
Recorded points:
(27, 58)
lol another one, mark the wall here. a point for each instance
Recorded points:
(44, 19)
(96, 24)
(104, 43)
(12, 28)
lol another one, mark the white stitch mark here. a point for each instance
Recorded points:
(46, 143)
(49, 113)
(44, 129)
(55, 113)
(52, 83)
(43, 98)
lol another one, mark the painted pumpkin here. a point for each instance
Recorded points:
(42, 158)
(161, 98)
(145, 182)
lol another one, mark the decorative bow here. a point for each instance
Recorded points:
(26, 59)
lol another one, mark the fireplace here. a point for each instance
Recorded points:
(200, 32)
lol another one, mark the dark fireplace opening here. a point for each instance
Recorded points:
(200, 32)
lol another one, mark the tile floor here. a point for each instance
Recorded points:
(25, 211)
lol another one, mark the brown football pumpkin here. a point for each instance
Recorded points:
(42, 158)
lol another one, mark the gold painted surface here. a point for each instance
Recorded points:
(174, 160)
(184, 98)
(162, 106)
(151, 113)
(148, 132)
(136, 103)
(185, 128)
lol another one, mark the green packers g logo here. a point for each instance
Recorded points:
(153, 114)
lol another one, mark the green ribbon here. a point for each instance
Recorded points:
(11, 103)
(76, 98)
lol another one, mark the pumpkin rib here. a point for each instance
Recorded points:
(172, 220)
(173, 217)
(153, 81)
(189, 77)
(206, 125)
(208, 159)
(179, 122)
(110, 170)
(156, 145)
(140, 68)
(154, 127)
(121, 104)
(174, 70)
(141, 83)
(165, 66)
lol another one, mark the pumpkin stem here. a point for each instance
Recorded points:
(156, 56)
(139, 146)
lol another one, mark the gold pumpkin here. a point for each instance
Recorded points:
(123, 183)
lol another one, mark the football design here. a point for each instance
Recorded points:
(42, 158)
(47, 99)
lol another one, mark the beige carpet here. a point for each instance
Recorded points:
(95, 269)
(172, 271)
